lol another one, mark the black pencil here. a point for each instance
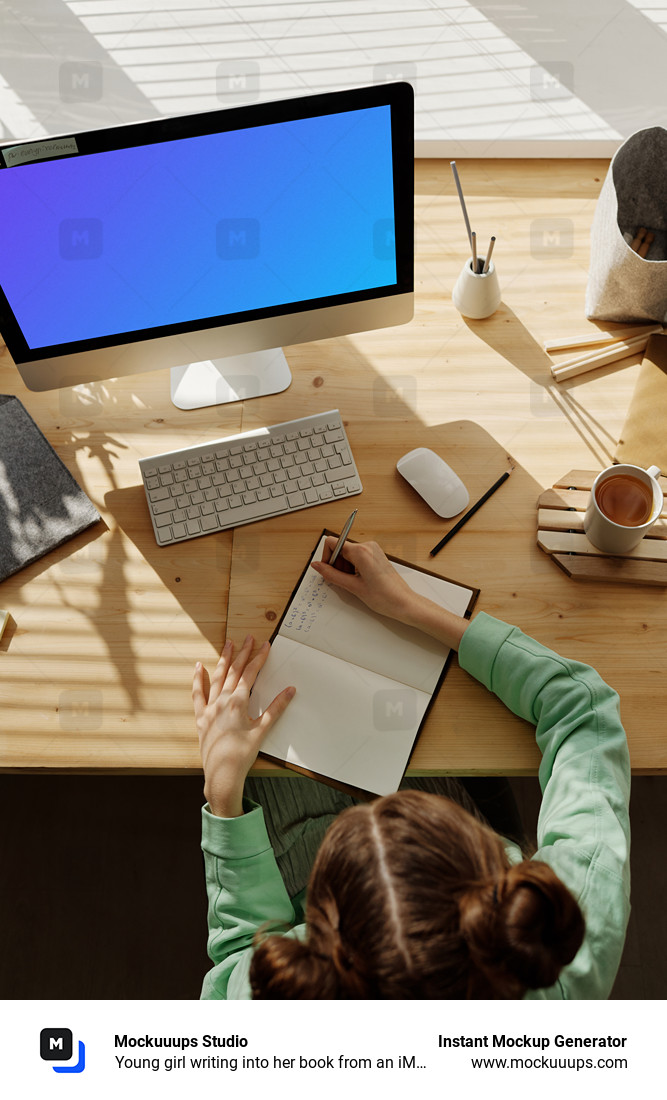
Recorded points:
(470, 512)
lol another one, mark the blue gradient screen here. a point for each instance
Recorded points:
(199, 227)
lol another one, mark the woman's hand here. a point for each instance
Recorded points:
(229, 739)
(363, 569)
(367, 573)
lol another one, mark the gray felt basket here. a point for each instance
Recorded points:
(623, 286)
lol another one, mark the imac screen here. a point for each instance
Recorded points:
(170, 234)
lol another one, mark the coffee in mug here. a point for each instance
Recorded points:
(624, 504)
(625, 499)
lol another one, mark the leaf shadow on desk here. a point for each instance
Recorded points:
(195, 572)
(509, 337)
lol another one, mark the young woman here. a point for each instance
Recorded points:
(410, 895)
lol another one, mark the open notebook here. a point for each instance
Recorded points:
(364, 682)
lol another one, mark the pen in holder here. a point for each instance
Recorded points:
(476, 293)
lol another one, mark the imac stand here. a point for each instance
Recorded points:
(221, 381)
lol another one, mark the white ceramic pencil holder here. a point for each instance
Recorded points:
(477, 295)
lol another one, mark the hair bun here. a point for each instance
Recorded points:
(283, 967)
(525, 926)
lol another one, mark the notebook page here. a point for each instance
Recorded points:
(344, 722)
(326, 618)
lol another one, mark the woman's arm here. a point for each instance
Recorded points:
(244, 886)
(583, 827)
(245, 893)
(367, 573)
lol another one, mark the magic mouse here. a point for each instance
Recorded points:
(435, 481)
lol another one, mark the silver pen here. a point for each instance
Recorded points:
(345, 532)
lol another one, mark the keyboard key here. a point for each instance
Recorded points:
(210, 523)
(333, 475)
(295, 500)
(179, 530)
(193, 527)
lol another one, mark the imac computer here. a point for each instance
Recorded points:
(207, 242)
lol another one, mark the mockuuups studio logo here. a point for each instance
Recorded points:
(80, 238)
(395, 709)
(237, 238)
(55, 1045)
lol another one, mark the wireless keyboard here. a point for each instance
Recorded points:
(248, 477)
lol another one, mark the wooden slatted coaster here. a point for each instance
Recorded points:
(560, 523)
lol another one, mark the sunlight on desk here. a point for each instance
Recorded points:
(97, 672)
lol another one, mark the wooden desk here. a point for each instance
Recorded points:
(95, 670)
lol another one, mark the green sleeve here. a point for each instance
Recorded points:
(245, 892)
(583, 828)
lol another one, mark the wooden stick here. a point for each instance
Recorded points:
(488, 256)
(601, 358)
(599, 337)
(461, 200)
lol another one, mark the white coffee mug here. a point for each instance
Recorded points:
(618, 538)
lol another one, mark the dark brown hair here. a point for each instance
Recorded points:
(411, 897)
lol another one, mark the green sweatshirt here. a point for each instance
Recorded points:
(583, 829)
